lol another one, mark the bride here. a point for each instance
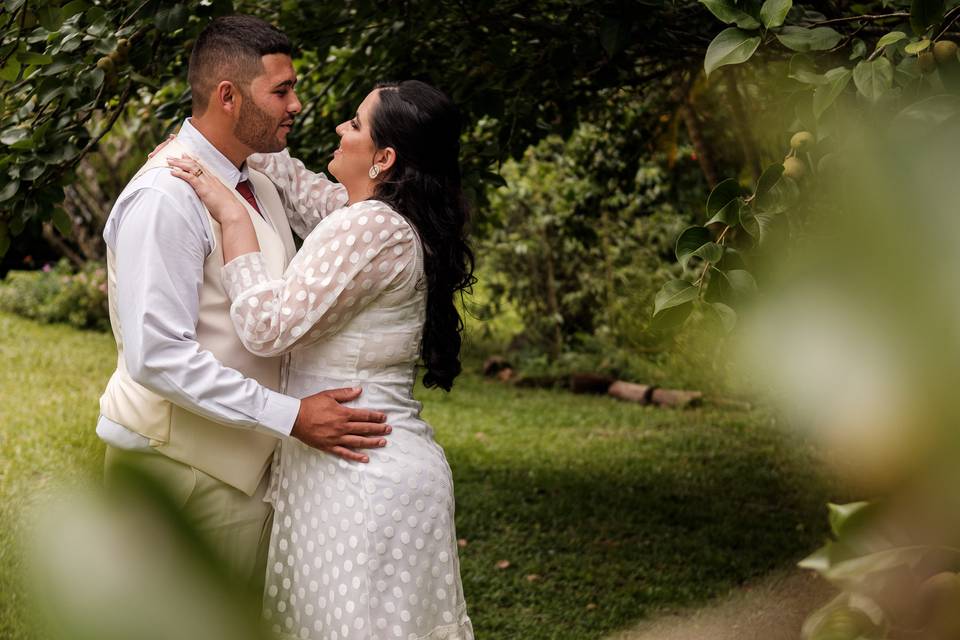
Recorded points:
(361, 550)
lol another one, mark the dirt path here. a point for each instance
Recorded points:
(771, 609)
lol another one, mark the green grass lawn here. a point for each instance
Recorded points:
(607, 512)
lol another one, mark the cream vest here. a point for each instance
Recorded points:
(237, 456)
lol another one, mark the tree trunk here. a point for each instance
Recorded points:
(552, 303)
(51, 235)
(742, 123)
(703, 154)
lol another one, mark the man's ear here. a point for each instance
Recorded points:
(385, 157)
(227, 96)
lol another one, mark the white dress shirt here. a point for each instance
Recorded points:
(160, 236)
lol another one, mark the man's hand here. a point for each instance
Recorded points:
(325, 424)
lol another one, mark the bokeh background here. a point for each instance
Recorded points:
(750, 202)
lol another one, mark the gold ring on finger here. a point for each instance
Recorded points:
(198, 172)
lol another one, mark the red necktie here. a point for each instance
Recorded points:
(247, 192)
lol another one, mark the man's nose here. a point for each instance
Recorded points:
(295, 106)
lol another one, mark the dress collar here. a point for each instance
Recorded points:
(211, 156)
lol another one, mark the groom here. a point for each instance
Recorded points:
(188, 404)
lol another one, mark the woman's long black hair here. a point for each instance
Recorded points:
(424, 185)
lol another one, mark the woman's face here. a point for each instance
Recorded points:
(356, 154)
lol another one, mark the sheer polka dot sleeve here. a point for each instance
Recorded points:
(308, 197)
(354, 255)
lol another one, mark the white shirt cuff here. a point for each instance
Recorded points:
(279, 414)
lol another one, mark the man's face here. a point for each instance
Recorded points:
(269, 106)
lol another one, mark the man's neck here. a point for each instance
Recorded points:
(223, 140)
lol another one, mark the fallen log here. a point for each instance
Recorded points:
(676, 398)
(590, 383)
(631, 392)
(494, 364)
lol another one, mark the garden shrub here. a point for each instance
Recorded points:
(58, 293)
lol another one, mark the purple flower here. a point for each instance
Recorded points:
(47, 268)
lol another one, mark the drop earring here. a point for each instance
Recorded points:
(374, 172)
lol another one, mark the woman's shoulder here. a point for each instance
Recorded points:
(373, 214)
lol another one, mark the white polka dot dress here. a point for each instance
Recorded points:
(358, 551)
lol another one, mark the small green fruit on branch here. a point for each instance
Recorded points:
(794, 168)
(801, 140)
(106, 64)
(945, 51)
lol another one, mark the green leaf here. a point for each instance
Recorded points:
(916, 47)
(808, 77)
(171, 18)
(728, 13)
(925, 116)
(891, 38)
(691, 240)
(731, 46)
(861, 568)
(774, 12)
(841, 515)
(802, 39)
(49, 18)
(818, 561)
(826, 95)
(873, 78)
(62, 222)
(672, 317)
(743, 283)
(749, 222)
(769, 178)
(924, 14)
(71, 9)
(711, 252)
(153, 84)
(721, 196)
(726, 315)
(673, 294)
(14, 135)
(859, 49)
(29, 57)
(614, 35)
(33, 172)
(10, 71)
(493, 179)
(907, 71)
(731, 287)
(9, 190)
(780, 198)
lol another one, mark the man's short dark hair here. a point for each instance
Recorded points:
(231, 48)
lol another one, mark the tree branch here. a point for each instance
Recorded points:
(113, 118)
(873, 18)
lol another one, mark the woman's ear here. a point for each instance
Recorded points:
(385, 157)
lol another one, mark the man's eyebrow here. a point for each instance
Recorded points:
(285, 83)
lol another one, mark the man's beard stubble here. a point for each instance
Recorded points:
(256, 129)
